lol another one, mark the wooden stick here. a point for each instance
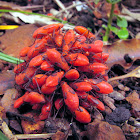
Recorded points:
(34, 136)
(7, 132)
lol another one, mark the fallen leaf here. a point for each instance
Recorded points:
(58, 136)
(9, 6)
(119, 49)
(16, 39)
(32, 127)
(100, 130)
(102, 9)
(135, 16)
(8, 99)
(32, 19)
(7, 81)
(134, 100)
(2, 112)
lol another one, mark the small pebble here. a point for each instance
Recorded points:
(123, 93)
(126, 88)
(121, 87)
(108, 110)
(116, 95)
(109, 101)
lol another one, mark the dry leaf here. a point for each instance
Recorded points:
(58, 136)
(134, 100)
(9, 6)
(8, 99)
(119, 49)
(16, 39)
(32, 127)
(7, 81)
(134, 16)
(2, 112)
(32, 19)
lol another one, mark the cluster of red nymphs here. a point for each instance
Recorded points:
(63, 68)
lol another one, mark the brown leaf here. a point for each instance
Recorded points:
(14, 40)
(9, 6)
(32, 127)
(7, 81)
(58, 136)
(102, 9)
(100, 130)
(8, 99)
(119, 49)
(134, 100)
(2, 112)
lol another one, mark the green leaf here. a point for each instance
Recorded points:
(89, 29)
(114, 30)
(123, 33)
(3, 137)
(10, 59)
(104, 26)
(122, 22)
(96, 1)
(113, 1)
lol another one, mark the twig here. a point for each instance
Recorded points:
(32, 7)
(92, 8)
(34, 136)
(69, 7)
(4, 127)
(134, 73)
(61, 5)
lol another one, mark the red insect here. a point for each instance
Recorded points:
(77, 59)
(19, 68)
(59, 102)
(47, 29)
(24, 51)
(47, 66)
(101, 87)
(70, 96)
(81, 86)
(47, 89)
(72, 74)
(100, 57)
(84, 31)
(34, 97)
(38, 47)
(20, 100)
(92, 100)
(98, 43)
(45, 111)
(37, 61)
(56, 58)
(58, 39)
(21, 79)
(92, 48)
(69, 39)
(82, 115)
(94, 68)
(39, 80)
(81, 38)
(54, 79)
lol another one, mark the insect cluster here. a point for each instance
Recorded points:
(63, 69)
